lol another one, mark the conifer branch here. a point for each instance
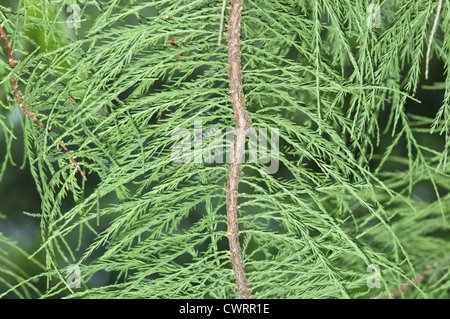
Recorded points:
(25, 109)
(325, 210)
(243, 122)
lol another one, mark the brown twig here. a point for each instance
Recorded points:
(25, 109)
(243, 123)
(430, 41)
(172, 42)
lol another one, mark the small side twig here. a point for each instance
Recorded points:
(243, 123)
(430, 41)
(222, 18)
(25, 109)
(172, 44)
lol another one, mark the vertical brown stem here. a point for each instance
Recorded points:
(25, 109)
(243, 122)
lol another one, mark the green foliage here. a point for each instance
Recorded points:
(364, 170)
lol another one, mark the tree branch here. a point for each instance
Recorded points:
(25, 109)
(243, 122)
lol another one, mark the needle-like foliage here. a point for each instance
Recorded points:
(354, 155)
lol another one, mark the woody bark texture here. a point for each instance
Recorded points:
(243, 122)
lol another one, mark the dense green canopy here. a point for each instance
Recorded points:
(361, 193)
